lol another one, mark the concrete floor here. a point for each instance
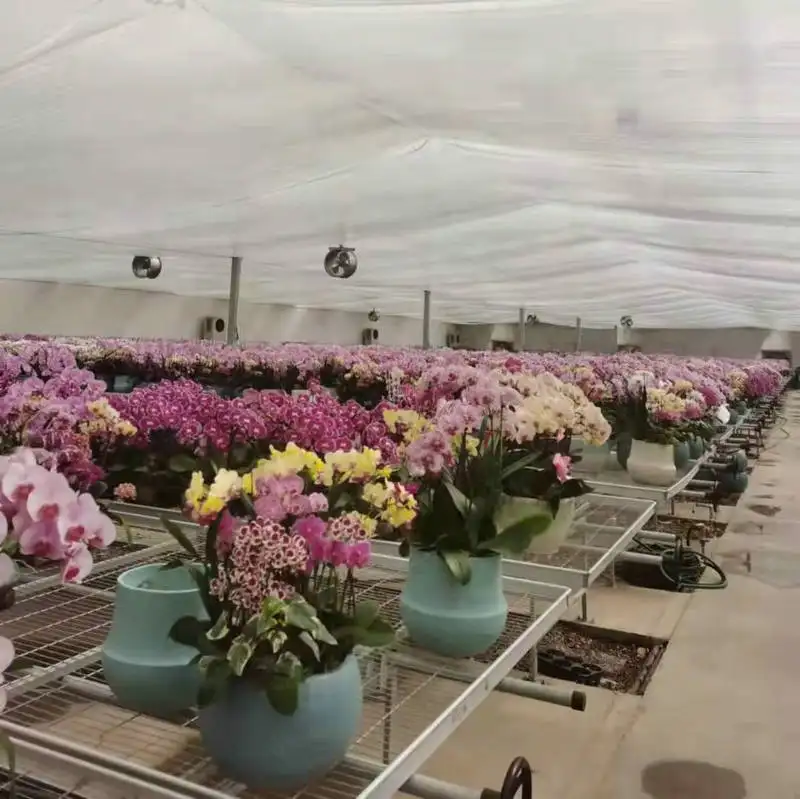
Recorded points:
(725, 697)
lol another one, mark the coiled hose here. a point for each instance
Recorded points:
(518, 783)
(683, 566)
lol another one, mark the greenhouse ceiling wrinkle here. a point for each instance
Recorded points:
(580, 159)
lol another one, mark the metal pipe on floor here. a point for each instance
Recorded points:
(687, 494)
(654, 535)
(419, 785)
(574, 700)
(640, 557)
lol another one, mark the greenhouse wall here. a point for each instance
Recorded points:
(64, 309)
(68, 309)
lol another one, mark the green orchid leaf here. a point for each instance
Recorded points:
(180, 536)
(458, 563)
(516, 538)
(183, 463)
(366, 612)
(460, 500)
(379, 634)
(509, 511)
(519, 464)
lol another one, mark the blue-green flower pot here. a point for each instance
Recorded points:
(696, 447)
(739, 460)
(143, 666)
(254, 744)
(624, 444)
(681, 454)
(734, 483)
(448, 618)
(734, 416)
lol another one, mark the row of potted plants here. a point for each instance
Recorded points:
(146, 442)
(367, 373)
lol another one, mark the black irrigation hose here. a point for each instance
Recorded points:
(518, 783)
(688, 561)
(680, 565)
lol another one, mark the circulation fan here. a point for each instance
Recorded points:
(341, 262)
(626, 321)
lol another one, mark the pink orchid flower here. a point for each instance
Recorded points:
(77, 563)
(42, 540)
(82, 521)
(50, 497)
(8, 571)
(562, 465)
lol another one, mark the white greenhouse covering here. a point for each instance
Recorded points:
(587, 158)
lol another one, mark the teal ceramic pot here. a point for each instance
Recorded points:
(681, 454)
(734, 483)
(696, 448)
(253, 744)
(448, 618)
(739, 460)
(146, 670)
(624, 444)
(734, 416)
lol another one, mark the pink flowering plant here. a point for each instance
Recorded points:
(278, 572)
(42, 517)
(463, 460)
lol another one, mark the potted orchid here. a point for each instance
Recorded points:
(653, 415)
(545, 421)
(40, 514)
(280, 690)
(453, 601)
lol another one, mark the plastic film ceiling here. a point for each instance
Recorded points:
(579, 158)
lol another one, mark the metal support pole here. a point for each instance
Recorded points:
(578, 334)
(426, 319)
(521, 330)
(233, 300)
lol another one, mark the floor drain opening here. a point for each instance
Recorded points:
(597, 656)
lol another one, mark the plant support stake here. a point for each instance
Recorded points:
(233, 300)
(426, 319)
